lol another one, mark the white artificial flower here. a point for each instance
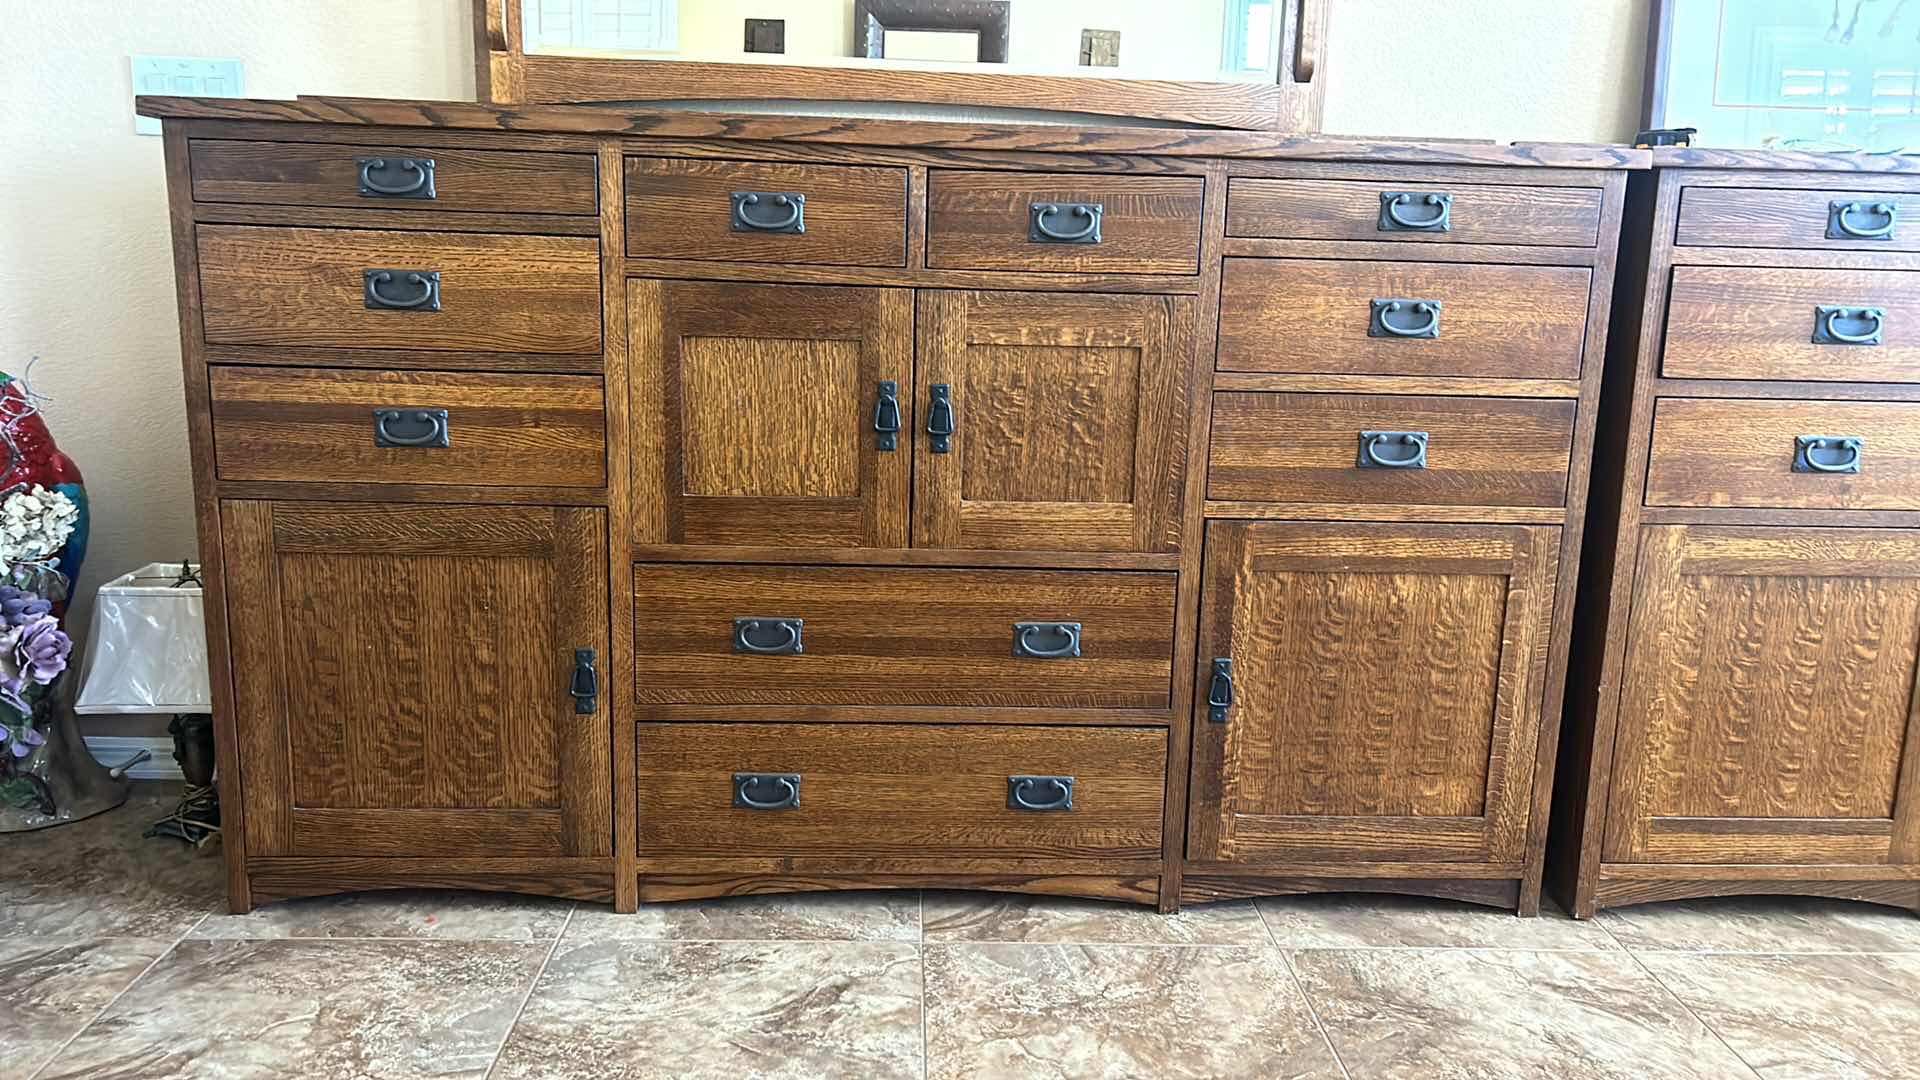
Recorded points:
(34, 524)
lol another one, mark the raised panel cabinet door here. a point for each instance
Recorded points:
(1767, 713)
(1385, 691)
(770, 415)
(405, 679)
(1051, 421)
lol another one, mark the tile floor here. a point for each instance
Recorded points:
(115, 963)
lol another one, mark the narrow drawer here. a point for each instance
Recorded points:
(365, 289)
(1745, 453)
(1323, 316)
(1363, 448)
(297, 424)
(990, 791)
(1063, 222)
(829, 635)
(1851, 220)
(1295, 209)
(393, 177)
(1793, 325)
(743, 211)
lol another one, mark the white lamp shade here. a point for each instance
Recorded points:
(147, 648)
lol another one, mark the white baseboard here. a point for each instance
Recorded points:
(111, 750)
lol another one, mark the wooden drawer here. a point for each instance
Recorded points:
(1314, 448)
(896, 636)
(1794, 218)
(998, 221)
(1721, 452)
(296, 424)
(684, 209)
(1298, 209)
(1319, 316)
(276, 286)
(1761, 323)
(393, 177)
(897, 789)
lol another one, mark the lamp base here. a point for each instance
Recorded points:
(196, 819)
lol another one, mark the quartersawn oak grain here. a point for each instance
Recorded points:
(1292, 208)
(1792, 218)
(1725, 452)
(1758, 323)
(683, 209)
(981, 221)
(326, 174)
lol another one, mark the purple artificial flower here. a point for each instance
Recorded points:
(42, 649)
(20, 607)
(13, 692)
(24, 738)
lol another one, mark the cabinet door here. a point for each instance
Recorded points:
(402, 674)
(1068, 416)
(1767, 709)
(755, 409)
(1386, 690)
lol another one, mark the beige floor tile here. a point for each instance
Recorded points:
(50, 989)
(399, 914)
(98, 878)
(1367, 921)
(1764, 924)
(856, 916)
(1082, 1011)
(982, 917)
(1445, 1013)
(632, 1009)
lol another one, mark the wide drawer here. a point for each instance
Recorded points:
(1063, 222)
(364, 289)
(831, 635)
(994, 791)
(1853, 220)
(1300, 209)
(743, 211)
(1793, 325)
(1832, 455)
(1363, 448)
(393, 177)
(1324, 316)
(296, 424)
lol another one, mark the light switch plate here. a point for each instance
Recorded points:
(190, 76)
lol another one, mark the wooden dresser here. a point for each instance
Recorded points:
(641, 506)
(1743, 714)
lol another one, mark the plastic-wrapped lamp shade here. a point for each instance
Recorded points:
(147, 648)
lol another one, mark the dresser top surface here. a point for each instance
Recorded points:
(1708, 157)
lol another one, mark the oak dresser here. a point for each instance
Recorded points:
(640, 506)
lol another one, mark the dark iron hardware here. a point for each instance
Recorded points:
(421, 289)
(768, 637)
(940, 418)
(585, 690)
(1038, 640)
(395, 178)
(1826, 325)
(1827, 453)
(886, 416)
(1405, 319)
(391, 427)
(1220, 690)
(1404, 450)
(1841, 214)
(1040, 794)
(1394, 218)
(789, 213)
(1041, 230)
(766, 791)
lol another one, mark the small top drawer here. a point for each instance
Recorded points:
(1298, 209)
(393, 177)
(743, 211)
(1064, 222)
(1812, 455)
(1851, 220)
(1744, 322)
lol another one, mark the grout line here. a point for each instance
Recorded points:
(1697, 1018)
(532, 985)
(1286, 960)
(115, 1000)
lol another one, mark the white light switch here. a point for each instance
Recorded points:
(186, 76)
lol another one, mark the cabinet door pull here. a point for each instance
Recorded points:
(418, 173)
(1385, 312)
(423, 284)
(386, 421)
(940, 418)
(886, 417)
(1026, 636)
(1826, 329)
(1041, 231)
(790, 214)
(1840, 214)
(1393, 219)
(1040, 794)
(585, 689)
(768, 637)
(1413, 453)
(785, 790)
(1220, 690)
(1808, 451)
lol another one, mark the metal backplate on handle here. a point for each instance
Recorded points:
(1040, 794)
(424, 428)
(1833, 454)
(766, 791)
(768, 636)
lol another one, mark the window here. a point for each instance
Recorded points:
(1247, 45)
(602, 25)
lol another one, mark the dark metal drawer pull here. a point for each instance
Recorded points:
(424, 285)
(1025, 634)
(1039, 231)
(886, 417)
(417, 185)
(1392, 220)
(432, 422)
(1413, 444)
(940, 418)
(792, 218)
(1806, 447)
(1826, 330)
(1220, 690)
(785, 790)
(585, 690)
(751, 635)
(1841, 227)
(1040, 794)
(1385, 311)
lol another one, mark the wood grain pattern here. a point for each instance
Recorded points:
(1792, 218)
(586, 879)
(895, 636)
(1138, 886)
(312, 174)
(1758, 323)
(981, 220)
(1311, 315)
(1312, 209)
(1724, 452)
(281, 286)
(681, 209)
